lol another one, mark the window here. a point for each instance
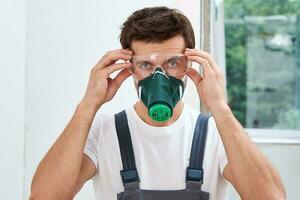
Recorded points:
(262, 39)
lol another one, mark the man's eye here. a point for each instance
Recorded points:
(172, 62)
(145, 65)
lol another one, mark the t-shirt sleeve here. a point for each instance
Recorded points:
(90, 148)
(223, 161)
(222, 157)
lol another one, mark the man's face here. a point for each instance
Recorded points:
(168, 55)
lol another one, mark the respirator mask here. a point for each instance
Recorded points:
(160, 80)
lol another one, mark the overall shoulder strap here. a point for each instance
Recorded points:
(194, 174)
(129, 173)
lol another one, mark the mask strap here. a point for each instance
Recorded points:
(140, 92)
(180, 91)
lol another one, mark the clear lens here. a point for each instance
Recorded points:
(172, 64)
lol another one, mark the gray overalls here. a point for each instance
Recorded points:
(194, 172)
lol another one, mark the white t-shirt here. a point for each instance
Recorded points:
(161, 154)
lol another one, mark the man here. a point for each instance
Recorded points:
(157, 49)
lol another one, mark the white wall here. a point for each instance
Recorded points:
(12, 91)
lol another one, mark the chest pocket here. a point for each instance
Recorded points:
(194, 172)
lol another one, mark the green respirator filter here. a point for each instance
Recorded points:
(160, 112)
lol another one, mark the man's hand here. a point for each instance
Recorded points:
(101, 88)
(211, 87)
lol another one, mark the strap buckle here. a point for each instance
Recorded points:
(129, 176)
(194, 175)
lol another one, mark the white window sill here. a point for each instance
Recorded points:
(274, 136)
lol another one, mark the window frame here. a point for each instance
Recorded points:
(215, 19)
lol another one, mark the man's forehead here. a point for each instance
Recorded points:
(173, 45)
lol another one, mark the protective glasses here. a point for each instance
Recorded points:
(175, 65)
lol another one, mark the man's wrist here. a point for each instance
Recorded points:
(224, 118)
(220, 109)
(87, 107)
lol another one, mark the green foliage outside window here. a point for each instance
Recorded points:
(236, 35)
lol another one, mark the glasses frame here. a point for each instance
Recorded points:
(154, 56)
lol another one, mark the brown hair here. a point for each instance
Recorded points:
(156, 24)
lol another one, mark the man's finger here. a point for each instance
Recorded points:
(203, 54)
(203, 62)
(115, 67)
(112, 57)
(194, 75)
(119, 79)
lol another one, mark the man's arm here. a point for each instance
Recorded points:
(59, 174)
(65, 168)
(87, 171)
(249, 171)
